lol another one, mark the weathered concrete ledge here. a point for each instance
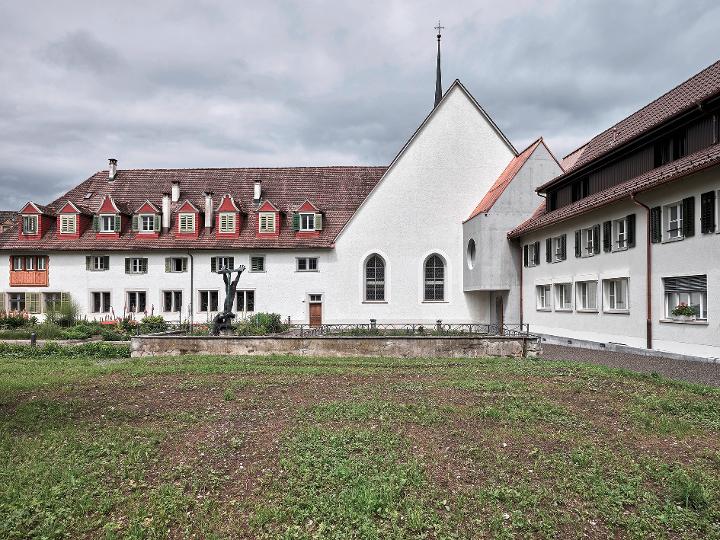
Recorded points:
(338, 346)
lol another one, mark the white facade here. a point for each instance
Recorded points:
(698, 255)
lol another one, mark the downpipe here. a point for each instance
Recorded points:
(648, 269)
(192, 288)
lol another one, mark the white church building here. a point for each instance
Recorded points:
(625, 231)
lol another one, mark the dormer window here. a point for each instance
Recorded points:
(227, 222)
(107, 223)
(267, 222)
(307, 222)
(187, 223)
(30, 224)
(149, 223)
(68, 224)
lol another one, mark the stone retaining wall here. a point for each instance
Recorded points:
(337, 346)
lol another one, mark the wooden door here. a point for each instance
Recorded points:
(315, 314)
(500, 314)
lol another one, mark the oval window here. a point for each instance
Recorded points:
(471, 253)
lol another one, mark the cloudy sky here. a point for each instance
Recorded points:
(179, 83)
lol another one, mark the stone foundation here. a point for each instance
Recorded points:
(338, 346)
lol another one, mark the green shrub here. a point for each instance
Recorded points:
(13, 321)
(261, 324)
(153, 324)
(66, 314)
(688, 491)
(113, 334)
(81, 331)
(55, 350)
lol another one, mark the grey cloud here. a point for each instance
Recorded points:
(81, 50)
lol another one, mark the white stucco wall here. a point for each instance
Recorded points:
(697, 255)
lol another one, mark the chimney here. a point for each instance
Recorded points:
(175, 191)
(257, 192)
(112, 169)
(166, 211)
(208, 210)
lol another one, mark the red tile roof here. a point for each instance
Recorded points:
(503, 181)
(680, 99)
(674, 170)
(337, 191)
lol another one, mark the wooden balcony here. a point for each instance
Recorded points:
(29, 278)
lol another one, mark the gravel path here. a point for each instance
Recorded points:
(696, 372)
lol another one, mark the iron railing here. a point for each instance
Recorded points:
(413, 329)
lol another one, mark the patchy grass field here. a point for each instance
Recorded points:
(219, 447)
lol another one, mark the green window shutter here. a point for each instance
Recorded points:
(106, 260)
(184, 264)
(157, 222)
(596, 239)
(96, 223)
(525, 255)
(630, 220)
(607, 236)
(2, 302)
(145, 265)
(563, 247)
(135, 223)
(318, 222)
(578, 240)
(655, 224)
(167, 264)
(127, 265)
(213, 264)
(548, 250)
(118, 223)
(231, 262)
(688, 206)
(64, 299)
(296, 222)
(32, 302)
(537, 253)
(87, 262)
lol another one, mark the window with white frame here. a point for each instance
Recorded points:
(690, 291)
(587, 295)
(257, 263)
(176, 264)
(227, 222)
(674, 220)
(68, 224)
(147, 223)
(30, 224)
(222, 263)
(53, 301)
(16, 302)
(208, 301)
(100, 301)
(136, 301)
(307, 222)
(588, 242)
(307, 264)
(107, 223)
(533, 255)
(544, 297)
(41, 263)
(187, 222)
(563, 297)
(18, 263)
(620, 230)
(245, 301)
(615, 295)
(267, 222)
(558, 248)
(30, 263)
(172, 301)
(136, 265)
(97, 263)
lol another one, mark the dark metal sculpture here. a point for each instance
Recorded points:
(223, 321)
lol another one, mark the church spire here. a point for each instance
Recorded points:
(438, 78)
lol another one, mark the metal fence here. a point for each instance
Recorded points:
(413, 329)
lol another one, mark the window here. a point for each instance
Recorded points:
(587, 295)
(563, 297)
(245, 301)
(267, 222)
(55, 300)
(187, 223)
(172, 301)
(315, 298)
(588, 242)
(558, 248)
(97, 263)
(307, 222)
(620, 234)
(101, 302)
(68, 224)
(434, 279)
(674, 220)
(227, 222)
(208, 301)
(136, 301)
(18, 263)
(221, 263)
(29, 263)
(107, 223)
(616, 295)
(136, 265)
(30, 224)
(176, 264)
(688, 290)
(147, 223)
(544, 297)
(531, 254)
(257, 263)
(17, 301)
(375, 279)
(307, 264)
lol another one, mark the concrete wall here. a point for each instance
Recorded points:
(403, 347)
(699, 254)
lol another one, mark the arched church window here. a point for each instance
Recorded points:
(434, 278)
(375, 278)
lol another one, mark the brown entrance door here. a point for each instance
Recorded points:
(315, 312)
(500, 314)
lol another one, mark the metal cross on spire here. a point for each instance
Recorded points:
(438, 78)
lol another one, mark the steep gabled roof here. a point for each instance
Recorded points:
(675, 170)
(682, 98)
(504, 180)
(7, 215)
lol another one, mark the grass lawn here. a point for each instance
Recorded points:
(222, 447)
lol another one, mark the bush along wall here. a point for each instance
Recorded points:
(54, 350)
